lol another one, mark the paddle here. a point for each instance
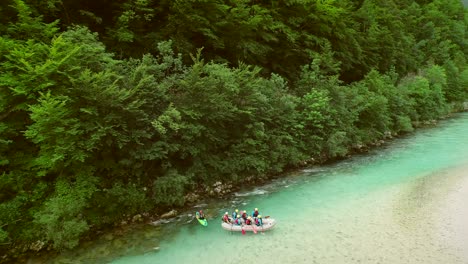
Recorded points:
(243, 231)
(254, 228)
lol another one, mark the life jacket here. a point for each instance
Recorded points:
(234, 215)
(255, 213)
(226, 218)
(238, 221)
(244, 215)
(248, 222)
(258, 221)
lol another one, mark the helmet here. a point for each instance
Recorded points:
(245, 211)
(256, 209)
(238, 216)
(259, 216)
(249, 217)
(237, 210)
(226, 213)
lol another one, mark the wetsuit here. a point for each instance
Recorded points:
(258, 221)
(201, 216)
(234, 215)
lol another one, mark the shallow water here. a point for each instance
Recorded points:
(403, 203)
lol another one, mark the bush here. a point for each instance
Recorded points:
(3, 235)
(61, 219)
(170, 189)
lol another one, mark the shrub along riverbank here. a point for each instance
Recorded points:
(87, 137)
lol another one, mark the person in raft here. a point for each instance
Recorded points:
(258, 220)
(244, 215)
(226, 218)
(235, 214)
(255, 212)
(201, 215)
(238, 220)
(248, 221)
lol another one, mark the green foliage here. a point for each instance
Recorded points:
(456, 87)
(3, 235)
(335, 133)
(128, 198)
(54, 128)
(463, 83)
(108, 206)
(61, 218)
(29, 26)
(403, 124)
(372, 107)
(169, 189)
(394, 108)
(437, 84)
(10, 213)
(316, 116)
(426, 95)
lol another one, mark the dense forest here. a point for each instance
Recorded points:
(113, 108)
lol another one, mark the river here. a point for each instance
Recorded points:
(406, 202)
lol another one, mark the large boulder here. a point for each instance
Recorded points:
(169, 214)
(37, 246)
(191, 197)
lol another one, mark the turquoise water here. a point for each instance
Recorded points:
(402, 203)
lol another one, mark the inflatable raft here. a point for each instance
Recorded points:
(268, 224)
